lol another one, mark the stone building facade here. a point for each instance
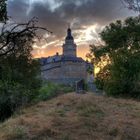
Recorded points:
(66, 68)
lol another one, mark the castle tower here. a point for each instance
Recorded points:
(69, 48)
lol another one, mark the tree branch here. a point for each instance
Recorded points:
(8, 36)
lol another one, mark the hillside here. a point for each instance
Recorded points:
(76, 117)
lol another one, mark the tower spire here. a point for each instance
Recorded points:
(69, 35)
(69, 48)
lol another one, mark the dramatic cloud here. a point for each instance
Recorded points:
(87, 18)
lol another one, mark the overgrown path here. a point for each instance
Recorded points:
(76, 117)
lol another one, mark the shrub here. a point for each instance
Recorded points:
(12, 96)
(50, 90)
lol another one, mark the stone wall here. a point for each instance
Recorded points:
(64, 72)
(51, 71)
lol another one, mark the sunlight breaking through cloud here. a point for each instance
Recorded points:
(86, 18)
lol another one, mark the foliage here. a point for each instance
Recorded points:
(3, 11)
(50, 90)
(124, 78)
(19, 85)
(19, 72)
(102, 77)
(12, 96)
(19, 81)
(120, 76)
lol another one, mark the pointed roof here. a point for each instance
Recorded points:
(69, 35)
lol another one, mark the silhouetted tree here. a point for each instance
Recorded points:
(19, 72)
(13, 35)
(132, 5)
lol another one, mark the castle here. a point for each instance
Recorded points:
(66, 68)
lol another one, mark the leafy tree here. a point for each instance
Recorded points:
(15, 51)
(19, 72)
(121, 75)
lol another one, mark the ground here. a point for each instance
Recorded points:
(75, 117)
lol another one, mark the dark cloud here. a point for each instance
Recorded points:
(17, 10)
(57, 14)
(79, 12)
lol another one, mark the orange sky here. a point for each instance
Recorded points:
(82, 50)
(87, 36)
(86, 18)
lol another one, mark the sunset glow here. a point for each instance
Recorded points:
(87, 19)
(87, 36)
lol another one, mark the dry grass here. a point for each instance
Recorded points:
(76, 117)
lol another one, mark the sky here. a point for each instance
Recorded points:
(87, 18)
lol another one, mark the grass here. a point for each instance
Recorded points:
(85, 109)
(75, 117)
(15, 132)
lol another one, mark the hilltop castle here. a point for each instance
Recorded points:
(66, 68)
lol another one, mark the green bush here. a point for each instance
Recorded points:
(50, 90)
(12, 96)
(121, 54)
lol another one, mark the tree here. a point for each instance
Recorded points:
(3, 11)
(121, 75)
(19, 72)
(16, 41)
(12, 34)
(132, 5)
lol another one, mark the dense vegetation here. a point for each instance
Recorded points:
(19, 80)
(18, 74)
(50, 90)
(120, 54)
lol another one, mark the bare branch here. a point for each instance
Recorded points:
(13, 32)
(132, 5)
